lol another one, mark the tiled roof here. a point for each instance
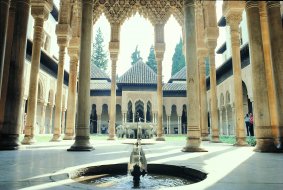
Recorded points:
(139, 73)
(174, 87)
(180, 75)
(101, 86)
(96, 73)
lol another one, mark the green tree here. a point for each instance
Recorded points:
(99, 55)
(178, 59)
(135, 56)
(151, 61)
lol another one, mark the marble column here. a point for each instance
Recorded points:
(211, 35)
(42, 118)
(203, 99)
(73, 51)
(4, 12)
(6, 66)
(63, 120)
(193, 100)
(262, 124)
(276, 41)
(114, 45)
(227, 120)
(40, 13)
(272, 99)
(98, 123)
(82, 142)
(159, 53)
(9, 137)
(179, 124)
(233, 18)
(62, 32)
(51, 118)
(144, 115)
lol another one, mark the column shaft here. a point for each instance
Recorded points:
(71, 104)
(6, 66)
(42, 119)
(194, 134)
(276, 41)
(33, 82)
(4, 12)
(15, 90)
(262, 126)
(99, 123)
(203, 100)
(63, 120)
(112, 119)
(233, 22)
(82, 129)
(269, 69)
(51, 119)
(213, 97)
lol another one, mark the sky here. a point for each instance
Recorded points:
(137, 31)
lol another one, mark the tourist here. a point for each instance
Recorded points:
(251, 127)
(247, 121)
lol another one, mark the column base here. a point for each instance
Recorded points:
(28, 140)
(9, 142)
(205, 138)
(265, 145)
(160, 139)
(81, 144)
(56, 138)
(215, 139)
(68, 137)
(193, 149)
(113, 138)
(241, 141)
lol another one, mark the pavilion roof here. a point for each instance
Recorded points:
(139, 73)
(97, 73)
(180, 75)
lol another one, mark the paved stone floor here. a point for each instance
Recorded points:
(45, 166)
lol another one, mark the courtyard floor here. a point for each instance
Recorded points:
(45, 165)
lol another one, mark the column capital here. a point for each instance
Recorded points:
(63, 32)
(233, 10)
(189, 3)
(202, 53)
(73, 48)
(41, 9)
(271, 4)
(114, 48)
(159, 49)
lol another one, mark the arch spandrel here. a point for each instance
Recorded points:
(157, 11)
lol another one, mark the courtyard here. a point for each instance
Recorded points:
(45, 165)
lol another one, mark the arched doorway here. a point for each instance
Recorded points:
(93, 119)
(130, 112)
(184, 119)
(247, 104)
(148, 112)
(139, 105)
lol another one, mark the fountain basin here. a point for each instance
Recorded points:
(115, 176)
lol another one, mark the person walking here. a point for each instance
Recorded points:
(247, 121)
(251, 127)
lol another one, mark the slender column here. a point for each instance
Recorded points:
(211, 35)
(6, 66)
(159, 53)
(221, 121)
(227, 121)
(73, 50)
(51, 117)
(99, 123)
(144, 115)
(9, 138)
(4, 12)
(234, 17)
(272, 99)
(203, 100)
(40, 12)
(42, 118)
(194, 134)
(114, 45)
(23, 119)
(169, 125)
(179, 124)
(262, 125)
(63, 120)
(276, 41)
(134, 115)
(82, 130)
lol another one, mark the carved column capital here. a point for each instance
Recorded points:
(188, 3)
(233, 10)
(41, 8)
(73, 48)
(63, 32)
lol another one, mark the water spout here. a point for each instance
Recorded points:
(138, 165)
